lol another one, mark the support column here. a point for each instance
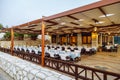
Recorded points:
(43, 43)
(57, 39)
(108, 42)
(94, 39)
(113, 40)
(68, 39)
(101, 39)
(105, 39)
(12, 42)
(79, 39)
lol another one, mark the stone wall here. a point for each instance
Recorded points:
(20, 69)
(6, 44)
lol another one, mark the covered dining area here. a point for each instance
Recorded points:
(88, 29)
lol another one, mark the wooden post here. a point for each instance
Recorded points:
(43, 43)
(12, 42)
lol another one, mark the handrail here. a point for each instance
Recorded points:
(85, 68)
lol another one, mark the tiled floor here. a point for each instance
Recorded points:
(109, 61)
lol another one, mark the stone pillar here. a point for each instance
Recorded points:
(68, 39)
(57, 39)
(108, 42)
(105, 39)
(113, 40)
(50, 39)
(94, 39)
(101, 39)
(79, 39)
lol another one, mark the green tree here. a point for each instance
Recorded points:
(1, 26)
(33, 36)
(7, 36)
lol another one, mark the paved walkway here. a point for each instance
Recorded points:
(4, 76)
(21, 69)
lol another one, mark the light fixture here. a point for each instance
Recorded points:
(99, 22)
(95, 28)
(62, 23)
(81, 20)
(108, 33)
(47, 33)
(75, 20)
(80, 24)
(106, 15)
(78, 20)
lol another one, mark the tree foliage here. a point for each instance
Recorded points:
(1, 26)
(7, 36)
(33, 36)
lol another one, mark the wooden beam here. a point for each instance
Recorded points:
(43, 43)
(33, 25)
(74, 23)
(51, 22)
(12, 42)
(104, 13)
(72, 17)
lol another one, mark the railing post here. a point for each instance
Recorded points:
(92, 75)
(76, 72)
(57, 65)
(86, 73)
(105, 76)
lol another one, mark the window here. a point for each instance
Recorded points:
(86, 38)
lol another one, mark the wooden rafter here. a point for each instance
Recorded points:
(104, 13)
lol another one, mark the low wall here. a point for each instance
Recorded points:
(20, 69)
(27, 43)
(23, 42)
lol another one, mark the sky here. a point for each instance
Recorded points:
(16, 12)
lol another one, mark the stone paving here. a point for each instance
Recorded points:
(20, 69)
(4, 76)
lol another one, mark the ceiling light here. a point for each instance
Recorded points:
(106, 15)
(62, 23)
(95, 28)
(81, 25)
(81, 20)
(100, 22)
(108, 33)
(76, 21)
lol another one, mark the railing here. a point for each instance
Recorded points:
(77, 71)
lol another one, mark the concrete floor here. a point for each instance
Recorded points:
(109, 61)
(4, 76)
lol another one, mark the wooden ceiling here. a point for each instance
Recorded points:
(104, 15)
